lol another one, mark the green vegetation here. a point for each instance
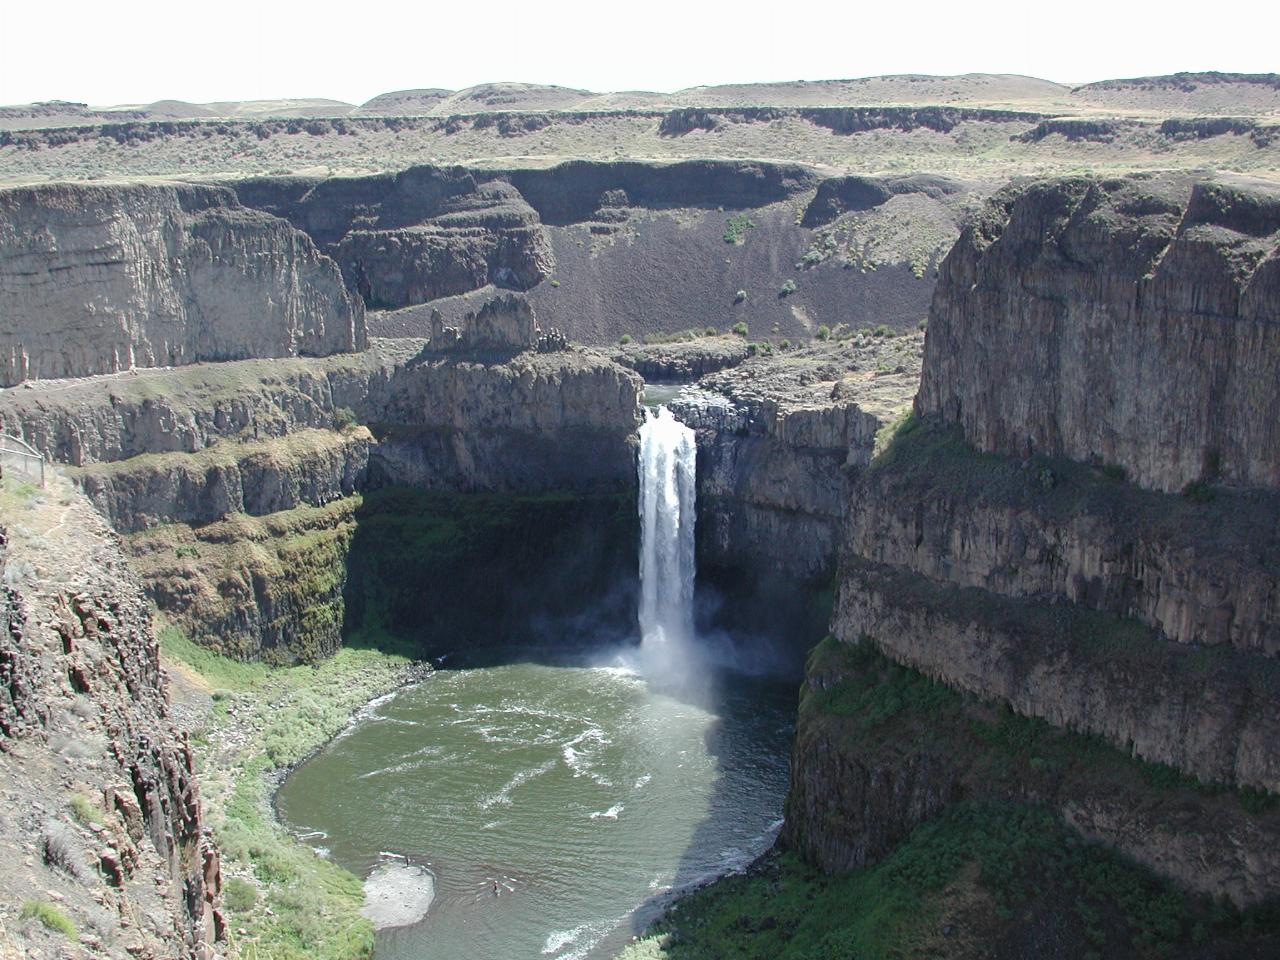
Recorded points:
(264, 719)
(680, 336)
(740, 296)
(344, 419)
(299, 554)
(740, 328)
(625, 339)
(788, 287)
(239, 895)
(883, 331)
(872, 699)
(85, 811)
(963, 878)
(891, 429)
(824, 332)
(736, 227)
(1198, 491)
(50, 917)
(977, 871)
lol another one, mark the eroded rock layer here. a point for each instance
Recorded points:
(1058, 583)
(1130, 322)
(99, 279)
(239, 483)
(102, 804)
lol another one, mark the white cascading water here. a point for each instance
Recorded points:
(668, 458)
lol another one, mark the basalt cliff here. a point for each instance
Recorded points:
(1057, 582)
(102, 805)
(99, 279)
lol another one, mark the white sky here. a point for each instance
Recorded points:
(138, 51)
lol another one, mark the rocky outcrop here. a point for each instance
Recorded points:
(109, 812)
(503, 326)
(777, 437)
(576, 191)
(415, 236)
(308, 467)
(839, 195)
(254, 588)
(880, 749)
(1028, 610)
(1201, 571)
(241, 526)
(1206, 714)
(97, 279)
(1130, 322)
(535, 421)
(684, 362)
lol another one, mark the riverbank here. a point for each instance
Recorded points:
(251, 724)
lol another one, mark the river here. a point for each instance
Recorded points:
(552, 800)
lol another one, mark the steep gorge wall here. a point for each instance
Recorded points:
(1017, 556)
(1129, 322)
(240, 483)
(612, 248)
(779, 437)
(99, 279)
(109, 812)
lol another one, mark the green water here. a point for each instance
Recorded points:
(583, 791)
(657, 394)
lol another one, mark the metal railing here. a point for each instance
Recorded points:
(21, 457)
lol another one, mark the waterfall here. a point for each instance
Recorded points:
(667, 463)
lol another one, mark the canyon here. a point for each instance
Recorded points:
(1011, 447)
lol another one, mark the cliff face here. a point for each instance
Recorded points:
(239, 483)
(103, 279)
(777, 439)
(1026, 610)
(1130, 322)
(308, 467)
(109, 809)
(611, 248)
(415, 236)
(1201, 572)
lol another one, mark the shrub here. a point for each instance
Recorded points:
(736, 227)
(51, 917)
(709, 332)
(740, 296)
(788, 288)
(625, 339)
(344, 419)
(555, 283)
(740, 328)
(240, 895)
(84, 810)
(1114, 472)
(883, 331)
(785, 345)
(1197, 491)
(824, 332)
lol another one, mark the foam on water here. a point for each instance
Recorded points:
(503, 796)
